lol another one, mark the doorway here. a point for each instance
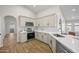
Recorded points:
(10, 24)
(10, 33)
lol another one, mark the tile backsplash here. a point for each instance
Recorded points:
(46, 28)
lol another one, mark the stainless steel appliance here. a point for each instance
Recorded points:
(30, 30)
(29, 24)
(30, 35)
(61, 48)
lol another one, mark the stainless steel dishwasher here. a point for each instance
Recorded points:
(61, 48)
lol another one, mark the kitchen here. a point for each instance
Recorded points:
(53, 25)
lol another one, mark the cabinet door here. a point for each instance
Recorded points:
(23, 37)
(41, 37)
(52, 43)
(36, 35)
(44, 21)
(23, 20)
(47, 21)
(48, 39)
(53, 46)
(41, 22)
(38, 22)
(52, 20)
(45, 38)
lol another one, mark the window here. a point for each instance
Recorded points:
(76, 27)
(68, 27)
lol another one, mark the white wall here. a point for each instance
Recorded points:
(13, 11)
(1, 41)
(54, 10)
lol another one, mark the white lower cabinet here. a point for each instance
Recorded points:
(23, 37)
(52, 42)
(41, 37)
(46, 38)
(36, 35)
(53, 45)
(49, 40)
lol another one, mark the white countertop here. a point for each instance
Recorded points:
(67, 40)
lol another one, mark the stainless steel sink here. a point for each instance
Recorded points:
(58, 35)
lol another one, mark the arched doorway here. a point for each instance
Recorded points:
(10, 30)
(10, 24)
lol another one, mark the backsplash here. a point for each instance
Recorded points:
(46, 28)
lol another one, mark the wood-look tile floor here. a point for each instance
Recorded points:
(32, 46)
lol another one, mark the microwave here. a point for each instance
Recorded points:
(29, 24)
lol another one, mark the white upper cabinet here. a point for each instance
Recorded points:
(41, 22)
(50, 20)
(38, 22)
(45, 21)
(24, 19)
(35, 22)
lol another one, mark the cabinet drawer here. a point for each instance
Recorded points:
(23, 37)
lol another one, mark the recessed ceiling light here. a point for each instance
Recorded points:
(73, 9)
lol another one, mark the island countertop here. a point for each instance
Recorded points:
(68, 40)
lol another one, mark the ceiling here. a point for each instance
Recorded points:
(38, 8)
(70, 12)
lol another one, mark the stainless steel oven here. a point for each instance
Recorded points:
(29, 30)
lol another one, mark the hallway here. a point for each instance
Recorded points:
(32, 46)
